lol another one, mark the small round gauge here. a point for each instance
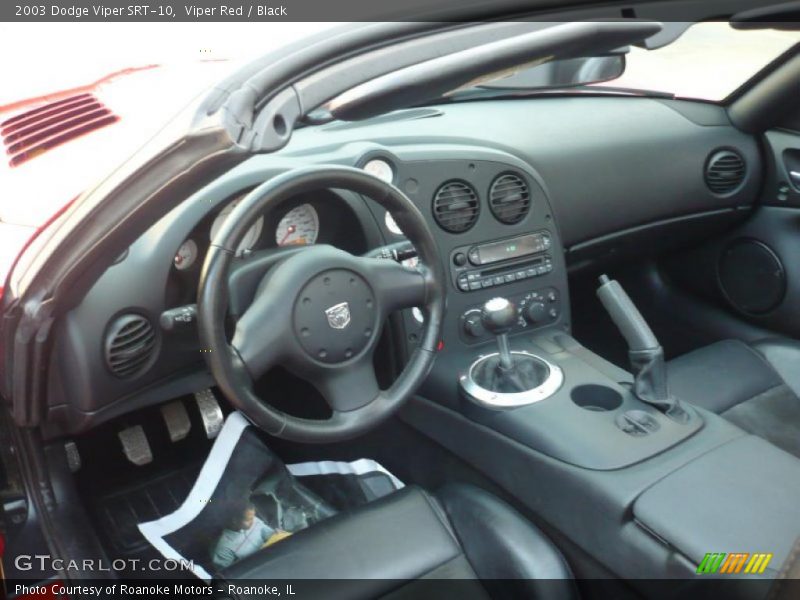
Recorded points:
(250, 238)
(186, 255)
(391, 224)
(380, 169)
(298, 227)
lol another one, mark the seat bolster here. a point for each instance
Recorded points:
(500, 544)
(721, 375)
(783, 355)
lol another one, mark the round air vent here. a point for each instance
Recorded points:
(129, 345)
(725, 172)
(509, 198)
(455, 206)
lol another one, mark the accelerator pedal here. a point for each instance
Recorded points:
(210, 412)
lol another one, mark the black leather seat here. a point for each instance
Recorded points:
(756, 386)
(406, 544)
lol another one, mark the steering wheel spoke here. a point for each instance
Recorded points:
(396, 286)
(259, 340)
(246, 275)
(349, 388)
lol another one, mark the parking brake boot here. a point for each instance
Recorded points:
(644, 352)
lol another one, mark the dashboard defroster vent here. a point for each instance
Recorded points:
(725, 172)
(456, 206)
(129, 345)
(509, 198)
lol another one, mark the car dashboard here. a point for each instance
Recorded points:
(516, 192)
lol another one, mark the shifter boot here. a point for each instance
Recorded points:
(526, 374)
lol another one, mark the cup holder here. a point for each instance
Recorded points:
(599, 398)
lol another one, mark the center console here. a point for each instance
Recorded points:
(644, 483)
(566, 404)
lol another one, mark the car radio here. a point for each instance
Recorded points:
(503, 261)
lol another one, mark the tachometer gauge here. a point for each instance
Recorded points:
(250, 238)
(185, 256)
(380, 169)
(300, 226)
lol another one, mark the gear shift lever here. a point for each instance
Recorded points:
(505, 378)
(498, 316)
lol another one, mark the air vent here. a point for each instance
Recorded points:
(509, 198)
(455, 206)
(725, 171)
(129, 345)
(31, 133)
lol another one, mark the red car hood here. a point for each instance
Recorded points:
(61, 161)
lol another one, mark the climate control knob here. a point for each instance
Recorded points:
(536, 312)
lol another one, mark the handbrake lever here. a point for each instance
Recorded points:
(644, 351)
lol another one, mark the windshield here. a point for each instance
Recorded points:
(708, 62)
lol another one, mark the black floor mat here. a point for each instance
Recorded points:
(118, 514)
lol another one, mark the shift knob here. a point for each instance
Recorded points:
(499, 315)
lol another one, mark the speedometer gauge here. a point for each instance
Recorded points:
(300, 226)
(250, 238)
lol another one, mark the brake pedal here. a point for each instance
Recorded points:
(177, 420)
(135, 445)
(210, 412)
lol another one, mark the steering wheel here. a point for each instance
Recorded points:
(319, 312)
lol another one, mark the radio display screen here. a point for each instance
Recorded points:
(513, 248)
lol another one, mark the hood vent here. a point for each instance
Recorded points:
(31, 133)
(455, 206)
(129, 345)
(725, 172)
(509, 198)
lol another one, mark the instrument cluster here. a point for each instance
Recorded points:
(299, 225)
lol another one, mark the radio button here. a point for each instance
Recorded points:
(474, 256)
(487, 282)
